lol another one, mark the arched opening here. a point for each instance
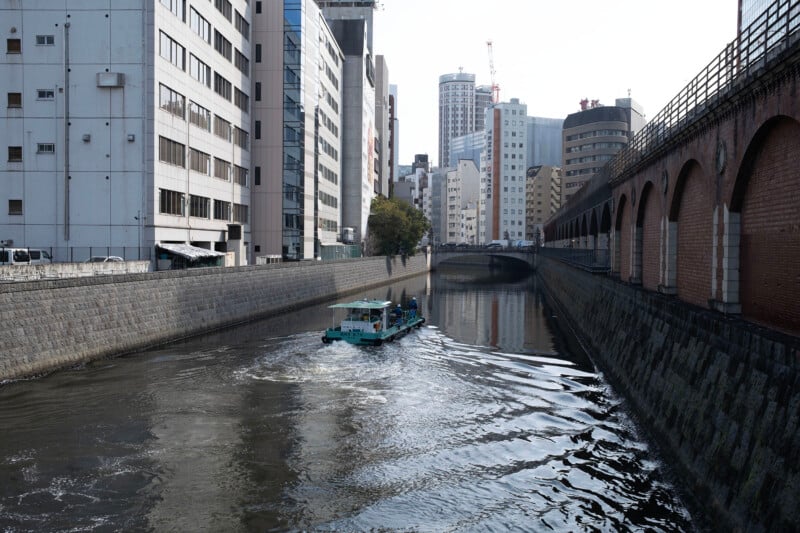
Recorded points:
(621, 243)
(689, 251)
(764, 220)
(647, 240)
(604, 236)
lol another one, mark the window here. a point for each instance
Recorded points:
(178, 8)
(224, 7)
(199, 116)
(222, 210)
(200, 25)
(172, 51)
(45, 40)
(15, 207)
(199, 70)
(241, 100)
(258, 91)
(15, 153)
(14, 99)
(45, 148)
(240, 175)
(258, 6)
(199, 206)
(199, 162)
(222, 45)
(257, 176)
(222, 169)
(171, 202)
(172, 102)
(258, 129)
(242, 63)
(240, 213)
(13, 46)
(240, 138)
(45, 94)
(258, 53)
(171, 152)
(222, 86)
(242, 26)
(222, 128)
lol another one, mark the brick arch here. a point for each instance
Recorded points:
(647, 239)
(765, 208)
(690, 251)
(622, 244)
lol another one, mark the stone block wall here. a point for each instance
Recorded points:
(45, 325)
(719, 395)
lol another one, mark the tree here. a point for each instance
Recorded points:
(395, 226)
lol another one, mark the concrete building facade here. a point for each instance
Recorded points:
(298, 130)
(382, 126)
(543, 199)
(463, 187)
(127, 126)
(544, 141)
(502, 212)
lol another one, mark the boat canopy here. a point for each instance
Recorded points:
(362, 304)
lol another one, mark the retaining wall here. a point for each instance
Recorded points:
(720, 395)
(45, 325)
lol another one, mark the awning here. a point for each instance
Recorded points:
(190, 252)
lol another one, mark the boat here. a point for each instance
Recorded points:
(371, 322)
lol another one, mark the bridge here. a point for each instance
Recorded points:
(702, 205)
(494, 256)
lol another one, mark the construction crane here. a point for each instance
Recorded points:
(495, 86)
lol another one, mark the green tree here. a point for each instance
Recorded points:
(395, 226)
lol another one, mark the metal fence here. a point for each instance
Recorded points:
(772, 33)
(598, 260)
(80, 254)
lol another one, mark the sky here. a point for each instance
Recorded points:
(548, 53)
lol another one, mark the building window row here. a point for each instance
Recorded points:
(222, 169)
(328, 174)
(224, 7)
(177, 7)
(199, 70)
(200, 25)
(222, 86)
(328, 199)
(242, 26)
(597, 133)
(240, 175)
(241, 138)
(222, 128)
(326, 121)
(222, 210)
(223, 46)
(329, 149)
(241, 213)
(172, 51)
(199, 116)
(199, 206)
(171, 202)
(171, 152)
(328, 225)
(45, 40)
(242, 63)
(241, 100)
(199, 162)
(172, 101)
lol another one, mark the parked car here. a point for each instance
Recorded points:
(105, 259)
(40, 257)
(14, 256)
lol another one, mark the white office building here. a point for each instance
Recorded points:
(503, 165)
(127, 126)
(463, 186)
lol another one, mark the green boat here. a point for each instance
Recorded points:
(371, 322)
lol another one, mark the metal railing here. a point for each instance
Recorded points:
(598, 260)
(79, 254)
(763, 41)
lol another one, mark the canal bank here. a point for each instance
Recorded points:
(721, 396)
(53, 324)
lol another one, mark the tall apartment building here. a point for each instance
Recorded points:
(592, 136)
(297, 141)
(543, 199)
(502, 213)
(382, 126)
(127, 125)
(456, 110)
(463, 187)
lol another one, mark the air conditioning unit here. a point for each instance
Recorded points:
(110, 79)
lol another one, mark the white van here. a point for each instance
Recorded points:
(40, 257)
(14, 256)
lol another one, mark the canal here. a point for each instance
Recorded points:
(480, 421)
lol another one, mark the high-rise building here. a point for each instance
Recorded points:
(456, 110)
(127, 126)
(382, 126)
(592, 136)
(297, 147)
(543, 199)
(351, 10)
(544, 141)
(394, 138)
(502, 212)
(483, 101)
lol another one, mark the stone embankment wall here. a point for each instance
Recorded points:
(720, 396)
(45, 325)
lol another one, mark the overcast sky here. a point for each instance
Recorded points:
(548, 53)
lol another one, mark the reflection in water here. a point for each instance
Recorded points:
(479, 421)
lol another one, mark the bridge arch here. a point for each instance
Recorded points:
(621, 243)
(647, 239)
(689, 251)
(764, 220)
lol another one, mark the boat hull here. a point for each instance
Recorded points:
(372, 338)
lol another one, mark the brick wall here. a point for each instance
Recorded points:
(721, 397)
(51, 324)
(651, 239)
(694, 239)
(770, 240)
